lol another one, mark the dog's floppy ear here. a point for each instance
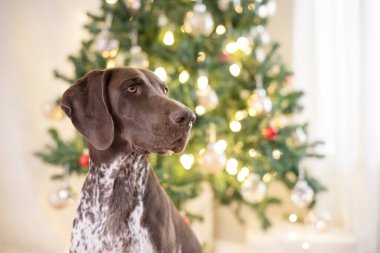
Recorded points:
(85, 103)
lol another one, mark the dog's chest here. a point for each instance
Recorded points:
(111, 210)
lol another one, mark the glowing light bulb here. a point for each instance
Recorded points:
(221, 146)
(169, 38)
(111, 64)
(187, 161)
(252, 153)
(235, 126)
(243, 44)
(293, 218)
(244, 172)
(276, 154)
(220, 29)
(200, 110)
(111, 1)
(202, 82)
(306, 245)
(184, 76)
(231, 166)
(232, 47)
(235, 70)
(161, 73)
(240, 115)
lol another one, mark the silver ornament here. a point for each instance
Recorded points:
(138, 58)
(212, 159)
(61, 197)
(253, 189)
(107, 45)
(259, 103)
(302, 194)
(199, 21)
(298, 138)
(207, 98)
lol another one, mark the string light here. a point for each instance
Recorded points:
(111, 1)
(235, 70)
(187, 161)
(231, 166)
(201, 57)
(161, 73)
(306, 245)
(240, 115)
(232, 47)
(183, 76)
(235, 126)
(243, 44)
(252, 153)
(276, 154)
(220, 29)
(221, 146)
(267, 177)
(244, 172)
(293, 218)
(202, 81)
(169, 38)
(111, 64)
(200, 110)
(263, 11)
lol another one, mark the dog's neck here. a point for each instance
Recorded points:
(113, 192)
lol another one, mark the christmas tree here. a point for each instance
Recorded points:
(217, 58)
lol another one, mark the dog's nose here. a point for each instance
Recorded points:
(183, 117)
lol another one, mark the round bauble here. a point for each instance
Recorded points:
(212, 159)
(199, 21)
(253, 189)
(302, 194)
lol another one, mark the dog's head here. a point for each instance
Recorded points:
(127, 104)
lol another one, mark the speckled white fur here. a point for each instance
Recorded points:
(94, 228)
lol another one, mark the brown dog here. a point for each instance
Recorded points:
(124, 114)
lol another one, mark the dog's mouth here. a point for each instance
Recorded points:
(176, 145)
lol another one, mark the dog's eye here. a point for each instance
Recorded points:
(166, 90)
(132, 89)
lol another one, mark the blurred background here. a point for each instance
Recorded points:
(330, 46)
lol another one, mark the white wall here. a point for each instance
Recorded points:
(37, 36)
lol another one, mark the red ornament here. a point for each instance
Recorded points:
(270, 133)
(186, 219)
(84, 161)
(223, 57)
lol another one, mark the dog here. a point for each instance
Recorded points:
(125, 114)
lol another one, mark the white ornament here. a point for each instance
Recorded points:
(199, 21)
(253, 189)
(138, 58)
(302, 194)
(212, 159)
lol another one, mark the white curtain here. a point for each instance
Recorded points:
(337, 63)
